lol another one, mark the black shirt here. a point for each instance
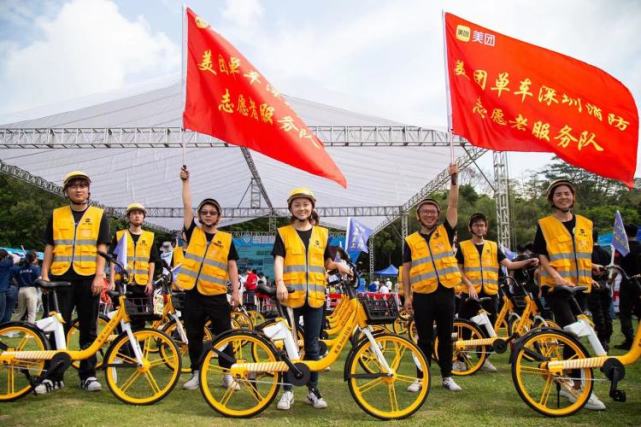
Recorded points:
(540, 246)
(631, 263)
(500, 256)
(602, 257)
(279, 246)
(233, 255)
(407, 254)
(103, 238)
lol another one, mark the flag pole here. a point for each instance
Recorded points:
(183, 73)
(448, 104)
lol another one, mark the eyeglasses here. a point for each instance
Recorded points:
(207, 212)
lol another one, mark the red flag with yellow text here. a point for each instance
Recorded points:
(508, 95)
(226, 97)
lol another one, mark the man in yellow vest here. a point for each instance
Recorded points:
(479, 261)
(301, 258)
(73, 237)
(430, 274)
(564, 244)
(142, 256)
(209, 263)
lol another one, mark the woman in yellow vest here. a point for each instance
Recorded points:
(209, 263)
(430, 274)
(301, 258)
(74, 235)
(479, 261)
(142, 256)
(564, 244)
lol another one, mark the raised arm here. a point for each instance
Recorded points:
(452, 198)
(188, 215)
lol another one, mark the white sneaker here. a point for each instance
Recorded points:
(459, 365)
(449, 384)
(47, 386)
(593, 402)
(286, 401)
(91, 384)
(488, 366)
(194, 382)
(315, 399)
(229, 382)
(415, 387)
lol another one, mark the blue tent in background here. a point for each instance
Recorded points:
(605, 239)
(389, 271)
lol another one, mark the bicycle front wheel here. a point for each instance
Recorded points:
(154, 379)
(468, 359)
(171, 329)
(245, 396)
(381, 393)
(17, 336)
(552, 394)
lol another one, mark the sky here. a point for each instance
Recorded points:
(383, 58)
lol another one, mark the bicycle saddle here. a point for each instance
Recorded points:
(572, 290)
(51, 285)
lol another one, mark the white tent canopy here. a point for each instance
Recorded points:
(376, 176)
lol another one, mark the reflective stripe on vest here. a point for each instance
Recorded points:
(432, 263)
(205, 264)
(569, 254)
(75, 245)
(481, 270)
(138, 255)
(304, 270)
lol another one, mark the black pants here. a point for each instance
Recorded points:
(312, 326)
(198, 310)
(629, 305)
(563, 307)
(599, 302)
(435, 307)
(79, 296)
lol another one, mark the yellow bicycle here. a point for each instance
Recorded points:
(378, 369)
(135, 373)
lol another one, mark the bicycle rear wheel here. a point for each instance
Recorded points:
(379, 393)
(149, 383)
(552, 394)
(171, 329)
(245, 396)
(17, 336)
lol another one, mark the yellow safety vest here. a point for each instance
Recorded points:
(138, 255)
(75, 244)
(570, 255)
(482, 271)
(178, 256)
(205, 263)
(432, 263)
(304, 271)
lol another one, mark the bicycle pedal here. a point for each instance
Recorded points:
(618, 395)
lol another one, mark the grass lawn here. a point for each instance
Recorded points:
(486, 399)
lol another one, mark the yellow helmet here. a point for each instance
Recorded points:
(301, 192)
(135, 206)
(74, 175)
(558, 182)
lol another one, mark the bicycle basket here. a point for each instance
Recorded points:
(379, 311)
(141, 308)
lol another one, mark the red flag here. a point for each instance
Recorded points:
(508, 95)
(226, 97)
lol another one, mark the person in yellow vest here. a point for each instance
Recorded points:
(564, 244)
(210, 261)
(430, 274)
(142, 256)
(301, 258)
(73, 236)
(479, 261)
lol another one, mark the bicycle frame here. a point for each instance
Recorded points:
(356, 318)
(54, 323)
